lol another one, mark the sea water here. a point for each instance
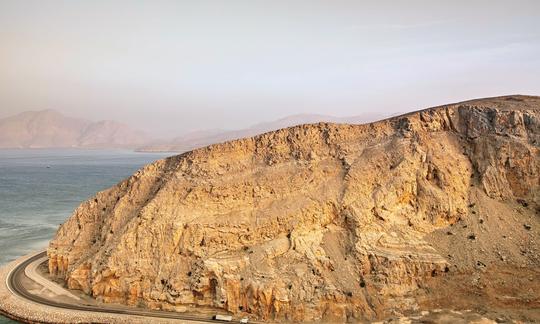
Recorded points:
(40, 188)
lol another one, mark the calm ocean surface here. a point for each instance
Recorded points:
(39, 189)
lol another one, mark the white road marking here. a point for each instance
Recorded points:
(31, 272)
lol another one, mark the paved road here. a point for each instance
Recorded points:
(31, 271)
(14, 284)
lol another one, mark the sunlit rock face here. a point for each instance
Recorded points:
(320, 221)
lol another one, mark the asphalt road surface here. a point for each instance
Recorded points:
(14, 282)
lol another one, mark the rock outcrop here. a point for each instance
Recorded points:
(319, 221)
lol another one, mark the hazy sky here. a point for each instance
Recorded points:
(173, 66)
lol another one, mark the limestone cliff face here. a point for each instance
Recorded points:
(309, 222)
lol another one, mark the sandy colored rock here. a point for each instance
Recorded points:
(319, 221)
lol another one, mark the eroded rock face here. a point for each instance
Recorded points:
(309, 222)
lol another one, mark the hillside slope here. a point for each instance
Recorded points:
(436, 208)
(197, 139)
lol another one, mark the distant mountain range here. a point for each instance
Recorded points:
(51, 129)
(196, 139)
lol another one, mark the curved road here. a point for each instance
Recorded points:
(14, 284)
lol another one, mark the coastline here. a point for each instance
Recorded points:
(20, 309)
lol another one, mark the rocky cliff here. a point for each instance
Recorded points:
(319, 221)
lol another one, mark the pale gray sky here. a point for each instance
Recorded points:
(173, 66)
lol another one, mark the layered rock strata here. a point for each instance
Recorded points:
(320, 221)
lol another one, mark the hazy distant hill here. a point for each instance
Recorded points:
(51, 129)
(203, 138)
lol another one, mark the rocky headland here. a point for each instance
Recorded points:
(439, 208)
